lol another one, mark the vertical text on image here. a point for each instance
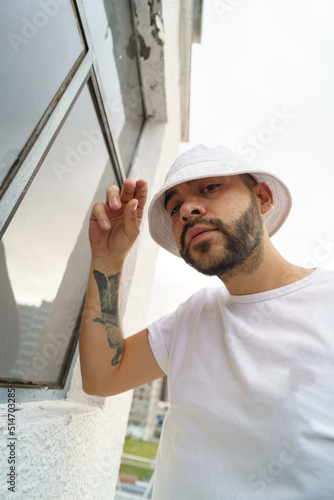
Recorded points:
(11, 445)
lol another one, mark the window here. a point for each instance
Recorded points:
(40, 44)
(110, 25)
(72, 112)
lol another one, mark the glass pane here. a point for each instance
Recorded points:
(45, 250)
(113, 39)
(39, 44)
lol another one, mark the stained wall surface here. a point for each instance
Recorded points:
(71, 448)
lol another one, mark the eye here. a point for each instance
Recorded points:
(210, 187)
(175, 209)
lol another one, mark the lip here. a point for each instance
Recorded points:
(198, 232)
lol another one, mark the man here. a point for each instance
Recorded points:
(249, 364)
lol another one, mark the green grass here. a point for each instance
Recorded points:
(140, 448)
(141, 473)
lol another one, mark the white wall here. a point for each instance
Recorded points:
(71, 448)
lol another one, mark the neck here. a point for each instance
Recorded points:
(265, 270)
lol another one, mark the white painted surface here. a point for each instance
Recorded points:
(259, 60)
(71, 448)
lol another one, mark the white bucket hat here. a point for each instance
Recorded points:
(203, 161)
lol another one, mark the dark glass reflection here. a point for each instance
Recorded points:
(39, 44)
(111, 29)
(44, 253)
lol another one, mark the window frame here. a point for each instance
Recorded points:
(22, 174)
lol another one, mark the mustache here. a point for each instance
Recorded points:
(216, 223)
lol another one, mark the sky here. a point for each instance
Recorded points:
(73, 165)
(261, 85)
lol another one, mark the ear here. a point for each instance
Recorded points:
(264, 196)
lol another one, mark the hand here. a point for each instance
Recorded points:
(114, 225)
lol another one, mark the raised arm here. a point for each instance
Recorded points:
(110, 364)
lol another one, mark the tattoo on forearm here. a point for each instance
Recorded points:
(108, 290)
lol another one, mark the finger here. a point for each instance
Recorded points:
(131, 225)
(100, 215)
(112, 197)
(128, 190)
(141, 194)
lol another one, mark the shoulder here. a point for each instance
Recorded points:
(324, 285)
(201, 302)
(205, 297)
(323, 278)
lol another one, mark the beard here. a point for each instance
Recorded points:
(241, 244)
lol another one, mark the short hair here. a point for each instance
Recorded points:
(248, 180)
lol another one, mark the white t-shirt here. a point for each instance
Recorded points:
(251, 392)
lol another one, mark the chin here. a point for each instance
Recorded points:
(208, 260)
(215, 261)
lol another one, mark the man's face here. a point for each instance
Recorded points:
(217, 223)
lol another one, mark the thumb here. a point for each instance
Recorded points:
(131, 225)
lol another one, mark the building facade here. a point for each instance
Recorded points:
(91, 93)
(148, 408)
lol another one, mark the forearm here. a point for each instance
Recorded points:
(101, 339)
(113, 229)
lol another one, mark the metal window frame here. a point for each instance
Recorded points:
(21, 176)
(15, 168)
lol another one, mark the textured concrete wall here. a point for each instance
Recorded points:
(71, 448)
(66, 449)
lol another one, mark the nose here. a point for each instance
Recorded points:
(191, 210)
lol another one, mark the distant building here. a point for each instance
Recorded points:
(147, 409)
(32, 322)
(92, 93)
